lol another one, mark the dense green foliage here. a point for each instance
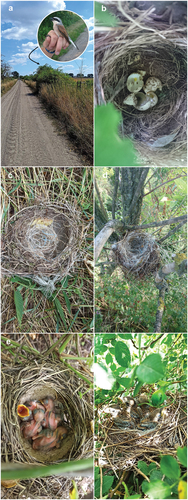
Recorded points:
(124, 303)
(109, 148)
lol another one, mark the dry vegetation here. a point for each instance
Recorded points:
(70, 307)
(72, 106)
(5, 86)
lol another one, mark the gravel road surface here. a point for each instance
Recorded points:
(73, 53)
(28, 136)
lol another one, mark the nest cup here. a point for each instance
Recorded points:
(138, 254)
(38, 382)
(124, 447)
(42, 240)
(159, 134)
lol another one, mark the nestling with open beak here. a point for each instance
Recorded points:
(61, 31)
(24, 413)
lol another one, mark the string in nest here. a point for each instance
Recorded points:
(138, 254)
(43, 243)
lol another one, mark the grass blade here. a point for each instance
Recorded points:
(18, 300)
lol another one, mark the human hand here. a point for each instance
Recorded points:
(53, 44)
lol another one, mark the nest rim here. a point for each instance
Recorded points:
(137, 254)
(113, 53)
(26, 262)
(46, 379)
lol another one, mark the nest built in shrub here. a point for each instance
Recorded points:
(137, 254)
(36, 382)
(159, 134)
(128, 436)
(42, 240)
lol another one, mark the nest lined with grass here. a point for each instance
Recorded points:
(122, 448)
(138, 254)
(36, 382)
(42, 240)
(160, 133)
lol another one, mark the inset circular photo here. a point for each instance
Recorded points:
(63, 36)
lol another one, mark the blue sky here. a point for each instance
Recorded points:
(19, 29)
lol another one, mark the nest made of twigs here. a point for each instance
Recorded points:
(42, 240)
(137, 254)
(161, 52)
(37, 382)
(122, 448)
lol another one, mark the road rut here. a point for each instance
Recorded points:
(28, 137)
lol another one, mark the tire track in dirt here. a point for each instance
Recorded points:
(28, 136)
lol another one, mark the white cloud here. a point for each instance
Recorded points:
(22, 57)
(58, 5)
(90, 22)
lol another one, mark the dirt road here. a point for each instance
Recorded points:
(28, 136)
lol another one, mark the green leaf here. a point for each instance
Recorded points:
(96, 472)
(112, 350)
(109, 358)
(12, 470)
(158, 397)
(106, 485)
(137, 388)
(182, 455)
(113, 367)
(124, 381)
(67, 301)
(170, 467)
(151, 369)
(156, 489)
(18, 300)
(125, 336)
(143, 467)
(60, 311)
(155, 475)
(122, 354)
(110, 150)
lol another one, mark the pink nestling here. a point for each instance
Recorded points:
(30, 429)
(48, 439)
(48, 404)
(51, 420)
(38, 414)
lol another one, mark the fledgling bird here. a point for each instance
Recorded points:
(60, 30)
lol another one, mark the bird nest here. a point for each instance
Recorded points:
(36, 382)
(158, 134)
(121, 448)
(42, 240)
(137, 254)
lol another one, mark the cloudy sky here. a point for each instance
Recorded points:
(19, 26)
